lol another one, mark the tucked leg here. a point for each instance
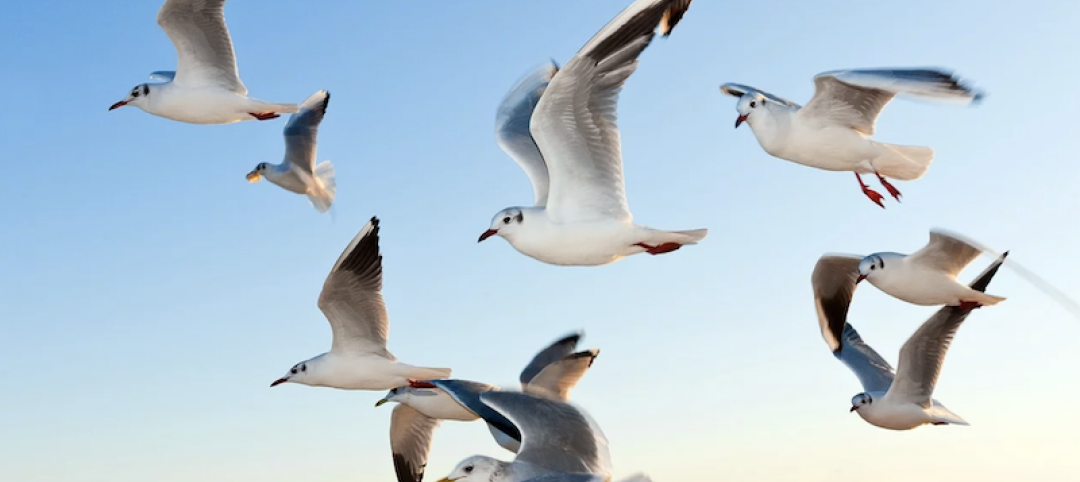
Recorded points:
(870, 193)
(264, 115)
(970, 305)
(892, 189)
(660, 248)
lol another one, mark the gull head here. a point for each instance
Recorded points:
(302, 373)
(258, 172)
(504, 223)
(748, 106)
(400, 395)
(477, 468)
(860, 400)
(137, 97)
(872, 266)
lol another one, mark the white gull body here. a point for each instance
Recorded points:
(832, 132)
(298, 172)
(352, 301)
(553, 372)
(560, 127)
(927, 277)
(899, 400)
(205, 88)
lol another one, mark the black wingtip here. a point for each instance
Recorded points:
(326, 102)
(590, 354)
(673, 15)
(404, 470)
(983, 280)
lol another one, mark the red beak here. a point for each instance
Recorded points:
(487, 234)
(853, 409)
(279, 381)
(860, 278)
(117, 105)
(740, 120)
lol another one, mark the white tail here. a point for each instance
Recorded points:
(324, 187)
(903, 163)
(944, 415)
(986, 299)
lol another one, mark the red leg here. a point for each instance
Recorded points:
(264, 115)
(870, 193)
(660, 248)
(419, 384)
(892, 189)
(969, 305)
(940, 423)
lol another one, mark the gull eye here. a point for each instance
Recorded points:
(506, 220)
(293, 371)
(753, 104)
(468, 470)
(873, 267)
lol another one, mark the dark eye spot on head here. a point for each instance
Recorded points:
(293, 371)
(303, 368)
(145, 89)
(506, 220)
(753, 104)
(520, 217)
(468, 469)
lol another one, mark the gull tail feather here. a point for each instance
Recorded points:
(425, 373)
(1062, 299)
(986, 299)
(323, 187)
(941, 414)
(904, 163)
(262, 106)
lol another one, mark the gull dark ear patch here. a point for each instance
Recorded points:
(520, 217)
(145, 89)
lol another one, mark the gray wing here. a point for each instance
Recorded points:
(946, 252)
(873, 372)
(555, 436)
(301, 132)
(512, 128)
(558, 378)
(922, 355)
(163, 75)
(352, 298)
(554, 352)
(834, 280)
(204, 50)
(467, 393)
(410, 442)
(575, 122)
(855, 98)
(739, 90)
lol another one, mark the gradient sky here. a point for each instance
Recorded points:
(149, 295)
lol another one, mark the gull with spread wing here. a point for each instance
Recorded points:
(352, 301)
(423, 404)
(205, 88)
(559, 443)
(560, 127)
(899, 400)
(833, 131)
(928, 276)
(299, 173)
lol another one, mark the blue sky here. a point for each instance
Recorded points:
(149, 295)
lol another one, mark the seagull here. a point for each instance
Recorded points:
(352, 301)
(928, 276)
(570, 149)
(833, 131)
(205, 88)
(423, 404)
(560, 443)
(298, 172)
(897, 400)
